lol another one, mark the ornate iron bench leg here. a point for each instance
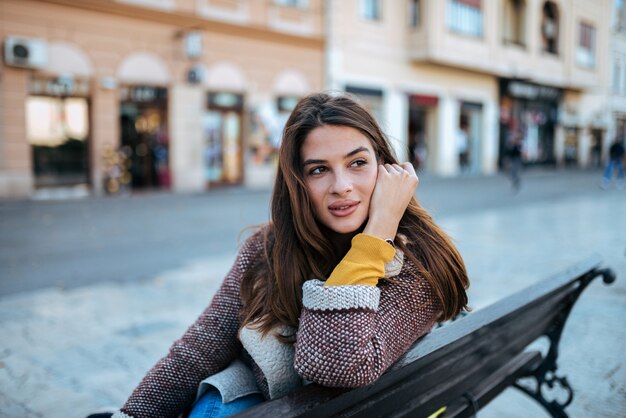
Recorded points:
(544, 375)
(554, 407)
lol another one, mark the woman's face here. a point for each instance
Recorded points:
(340, 170)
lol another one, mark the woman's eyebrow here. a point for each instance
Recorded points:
(356, 151)
(348, 155)
(307, 162)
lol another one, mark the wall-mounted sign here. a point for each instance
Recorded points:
(530, 91)
(423, 100)
(193, 44)
(62, 86)
(143, 94)
(287, 103)
(225, 100)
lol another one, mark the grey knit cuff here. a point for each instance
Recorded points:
(120, 414)
(316, 296)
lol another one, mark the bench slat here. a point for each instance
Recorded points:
(495, 384)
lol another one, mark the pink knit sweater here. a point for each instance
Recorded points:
(348, 336)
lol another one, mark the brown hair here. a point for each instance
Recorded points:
(296, 245)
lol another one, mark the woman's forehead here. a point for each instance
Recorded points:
(331, 141)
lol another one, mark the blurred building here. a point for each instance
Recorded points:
(454, 82)
(150, 94)
(186, 95)
(616, 102)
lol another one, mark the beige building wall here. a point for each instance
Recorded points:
(256, 48)
(15, 164)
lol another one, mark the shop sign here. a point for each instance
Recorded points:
(225, 100)
(287, 103)
(143, 94)
(62, 86)
(364, 91)
(533, 91)
(423, 100)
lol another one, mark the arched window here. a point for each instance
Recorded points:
(550, 27)
(514, 29)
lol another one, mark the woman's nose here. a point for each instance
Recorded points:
(342, 184)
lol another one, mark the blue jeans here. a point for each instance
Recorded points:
(210, 405)
(611, 166)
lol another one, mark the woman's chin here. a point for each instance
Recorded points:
(347, 228)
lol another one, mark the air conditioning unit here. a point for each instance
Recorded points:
(25, 52)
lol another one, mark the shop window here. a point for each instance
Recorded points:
(371, 99)
(469, 132)
(550, 28)
(293, 3)
(514, 22)
(619, 16)
(154, 4)
(586, 50)
(615, 75)
(370, 9)
(570, 149)
(422, 135)
(222, 126)
(465, 17)
(619, 75)
(58, 132)
(265, 130)
(414, 13)
(595, 151)
(622, 77)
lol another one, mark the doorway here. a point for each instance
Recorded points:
(223, 137)
(471, 126)
(422, 130)
(144, 136)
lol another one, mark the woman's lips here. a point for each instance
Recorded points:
(341, 209)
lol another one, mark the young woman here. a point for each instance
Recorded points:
(347, 275)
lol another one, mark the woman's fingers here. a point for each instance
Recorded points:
(397, 168)
(409, 167)
(404, 169)
(395, 187)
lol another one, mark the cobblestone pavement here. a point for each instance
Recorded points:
(69, 351)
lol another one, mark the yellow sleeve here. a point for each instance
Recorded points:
(364, 264)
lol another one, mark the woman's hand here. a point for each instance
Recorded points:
(395, 186)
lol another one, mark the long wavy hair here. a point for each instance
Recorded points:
(297, 247)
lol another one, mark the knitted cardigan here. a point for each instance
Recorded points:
(347, 337)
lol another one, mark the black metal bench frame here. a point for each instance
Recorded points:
(464, 364)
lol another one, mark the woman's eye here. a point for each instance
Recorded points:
(317, 170)
(359, 163)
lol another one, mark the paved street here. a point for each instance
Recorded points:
(73, 243)
(92, 292)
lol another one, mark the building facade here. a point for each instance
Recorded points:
(105, 96)
(454, 82)
(616, 96)
(182, 95)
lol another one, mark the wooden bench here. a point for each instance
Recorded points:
(463, 364)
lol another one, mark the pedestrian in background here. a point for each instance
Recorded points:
(515, 161)
(616, 163)
(462, 145)
(350, 271)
